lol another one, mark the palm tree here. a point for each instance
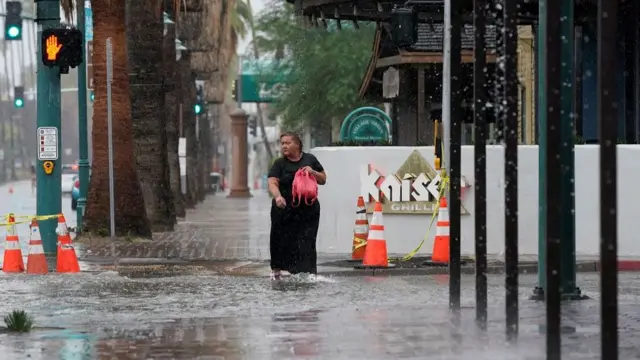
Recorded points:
(144, 28)
(241, 19)
(130, 212)
(171, 82)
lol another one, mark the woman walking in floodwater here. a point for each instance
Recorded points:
(293, 228)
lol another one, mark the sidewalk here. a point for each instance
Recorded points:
(219, 228)
(236, 231)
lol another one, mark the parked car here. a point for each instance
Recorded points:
(69, 173)
(75, 193)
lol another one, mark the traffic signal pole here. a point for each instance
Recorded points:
(49, 196)
(83, 142)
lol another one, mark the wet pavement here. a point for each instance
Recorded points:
(212, 300)
(207, 316)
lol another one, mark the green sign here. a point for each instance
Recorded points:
(366, 123)
(261, 82)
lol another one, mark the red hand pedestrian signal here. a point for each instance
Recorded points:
(62, 47)
(52, 47)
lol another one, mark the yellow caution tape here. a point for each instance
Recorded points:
(444, 185)
(25, 219)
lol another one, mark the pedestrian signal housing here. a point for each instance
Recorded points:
(61, 47)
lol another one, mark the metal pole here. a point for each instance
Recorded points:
(455, 161)
(12, 128)
(451, 133)
(553, 84)
(446, 89)
(49, 192)
(608, 124)
(83, 142)
(112, 211)
(499, 75)
(510, 135)
(567, 126)
(541, 121)
(480, 154)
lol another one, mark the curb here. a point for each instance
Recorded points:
(334, 271)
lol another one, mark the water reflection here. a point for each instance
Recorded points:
(181, 339)
(296, 334)
(209, 317)
(43, 344)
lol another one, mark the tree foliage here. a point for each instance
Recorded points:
(324, 67)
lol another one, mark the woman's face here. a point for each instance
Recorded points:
(289, 146)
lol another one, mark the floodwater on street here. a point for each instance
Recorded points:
(106, 315)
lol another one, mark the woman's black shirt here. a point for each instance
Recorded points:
(285, 170)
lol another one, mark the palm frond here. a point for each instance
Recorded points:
(243, 11)
(68, 8)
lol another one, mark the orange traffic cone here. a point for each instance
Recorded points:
(375, 254)
(12, 262)
(441, 241)
(360, 231)
(36, 261)
(67, 260)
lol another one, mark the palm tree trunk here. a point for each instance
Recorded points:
(172, 89)
(144, 28)
(130, 213)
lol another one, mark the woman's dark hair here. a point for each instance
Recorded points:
(295, 137)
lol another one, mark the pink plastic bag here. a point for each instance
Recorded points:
(305, 187)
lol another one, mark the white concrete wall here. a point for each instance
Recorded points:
(404, 232)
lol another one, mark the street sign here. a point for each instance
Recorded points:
(48, 145)
(90, 64)
(88, 22)
(261, 81)
(366, 123)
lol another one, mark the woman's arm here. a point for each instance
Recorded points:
(274, 186)
(273, 179)
(321, 176)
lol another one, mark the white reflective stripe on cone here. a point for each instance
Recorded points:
(361, 229)
(12, 245)
(442, 231)
(36, 250)
(11, 230)
(376, 235)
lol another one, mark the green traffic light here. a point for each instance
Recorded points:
(18, 103)
(197, 108)
(13, 32)
(93, 96)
